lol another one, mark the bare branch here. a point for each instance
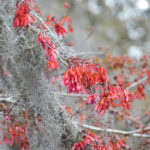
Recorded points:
(91, 53)
(72, 95)
(7, 98)
(84, 54)
(137, 82)
(134, 133)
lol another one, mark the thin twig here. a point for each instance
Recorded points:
(66, 94)
(137, 82)
(91, 53)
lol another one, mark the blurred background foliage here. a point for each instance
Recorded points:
(120, 25)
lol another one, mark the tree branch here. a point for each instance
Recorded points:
(72, 95)
(137, 82)
(7, 98)
(134, 133)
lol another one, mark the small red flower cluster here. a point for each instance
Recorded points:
(116, 62)
(92, 98)
(49, 21)
(59, 29)
(15, 132)
(67, 20)
(113, 93)
(126, 99)
(22, 18)
(50, 51)
(82, 77)
(139, 93)
(103, 104)
(89, 138)
(92, 140)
